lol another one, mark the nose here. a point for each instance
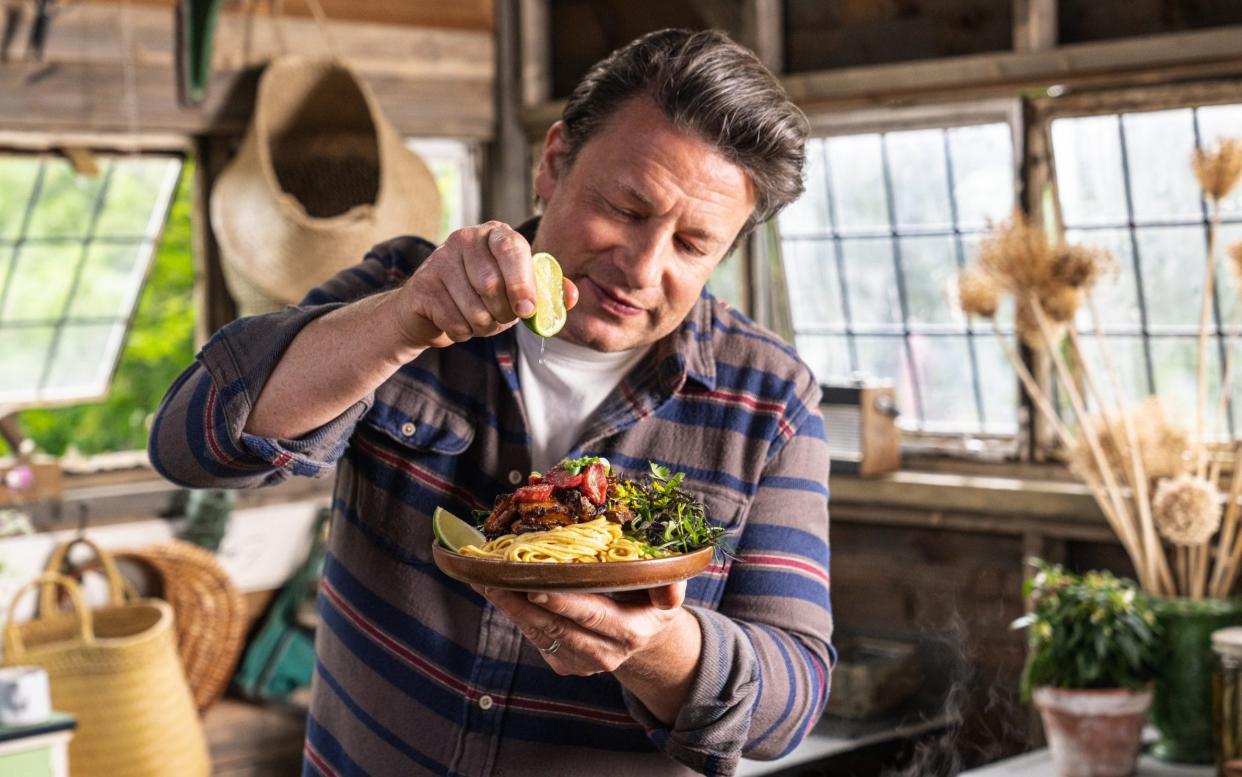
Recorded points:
(644, 262)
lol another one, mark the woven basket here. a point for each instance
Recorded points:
(116, 669)
(210, 613)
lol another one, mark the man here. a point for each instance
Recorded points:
(407, 374)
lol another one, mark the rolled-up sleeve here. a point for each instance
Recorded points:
(197, 439)
(764, 672)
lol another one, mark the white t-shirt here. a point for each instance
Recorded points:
(562, 385)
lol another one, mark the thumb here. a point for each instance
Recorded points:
(668, 597)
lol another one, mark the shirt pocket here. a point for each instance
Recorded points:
(410, 463)
(727, 508)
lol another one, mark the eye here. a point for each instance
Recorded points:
(688, 247)
(624, 213)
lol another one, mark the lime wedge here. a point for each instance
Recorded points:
(549, 296)
(452, 532)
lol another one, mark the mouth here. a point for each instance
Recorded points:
(613, 302)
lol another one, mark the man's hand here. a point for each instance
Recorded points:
(651, 644)
(478, 283)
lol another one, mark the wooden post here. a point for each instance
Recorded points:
(211, 298)
(507, 186)
(1034, 25)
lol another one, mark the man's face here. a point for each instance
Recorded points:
(638, 222)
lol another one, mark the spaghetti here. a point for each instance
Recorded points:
(594, 541)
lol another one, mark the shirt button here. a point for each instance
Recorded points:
(485, 702)
(408, 429)
(515, 477)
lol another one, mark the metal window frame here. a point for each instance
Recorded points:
(47, 145)
(942, 116)
(1119, 102)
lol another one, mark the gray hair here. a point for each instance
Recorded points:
(709, 85)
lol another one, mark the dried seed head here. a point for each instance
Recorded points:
(1080, 266)
(1061, 303)
(1219, 168)
(1163, 447)
(977, 293)
(1186, 510)
(1235, 255)
(1017, 254)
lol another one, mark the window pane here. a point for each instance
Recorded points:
(67, 200)
(1159, 146)
(17, 180)
(856, 172)
(920, 179)
(1115, 295)
(1228, 288)
(814, 286)
(136, 193)
(999, 386)
(83, 361)
(982, 174)
(1172, 261)
(929, 266)
(1127, 357)
(25, 350)
(1088, 169)
(727, 281)
(40, 283)
(945, 382)
(110, 280)
(871, 283)
(809, 214)
(827, 355)
(1175, 360)
(884, 357)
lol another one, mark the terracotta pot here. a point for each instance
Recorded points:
(1093, 733)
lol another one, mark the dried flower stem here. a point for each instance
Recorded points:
(1044, 404)
(1229, 544)
(1124, 520)
(1135, 473)
(1205, 314)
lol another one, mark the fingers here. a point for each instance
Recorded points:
(571, 293)
(668, 597)
(511, 255)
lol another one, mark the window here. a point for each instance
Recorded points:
(454, 163)
(74, 251)
(1124, 181)
(871, 253)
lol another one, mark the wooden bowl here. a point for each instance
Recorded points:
(603, 577)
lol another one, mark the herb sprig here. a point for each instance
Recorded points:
(667, 518)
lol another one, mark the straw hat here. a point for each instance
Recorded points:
(321, 177)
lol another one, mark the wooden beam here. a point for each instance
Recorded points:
(763, 30)
(459, 14)
(1151, 59)
(535, 50)
(212, 301)
(1034, 25)
(429, 82)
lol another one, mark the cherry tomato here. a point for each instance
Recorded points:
(595, 485)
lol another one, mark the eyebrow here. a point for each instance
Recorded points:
(645, 201)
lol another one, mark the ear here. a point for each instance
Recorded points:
(552, 163)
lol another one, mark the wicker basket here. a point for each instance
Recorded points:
(116, 669)
(211, 614)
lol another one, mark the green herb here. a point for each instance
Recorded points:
(1088, 631)
(574, 466)
(667, 518)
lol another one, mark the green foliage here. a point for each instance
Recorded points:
(667, 517)
(1088, 631)
(160, 346)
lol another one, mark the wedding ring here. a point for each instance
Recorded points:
(550, 649)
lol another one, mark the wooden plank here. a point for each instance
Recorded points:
(459, 14)
(1156, 58)
(430, 82)
(98, 98)
(1034, 25)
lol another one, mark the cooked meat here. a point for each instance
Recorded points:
(542, 522)
(619, 513)
(502, 515)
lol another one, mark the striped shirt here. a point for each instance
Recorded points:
(416, 673)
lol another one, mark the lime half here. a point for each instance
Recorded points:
(549, 296)
(452, 532)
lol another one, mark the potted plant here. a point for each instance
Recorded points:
(1092, 655)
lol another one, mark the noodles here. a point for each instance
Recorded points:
(588, 542)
